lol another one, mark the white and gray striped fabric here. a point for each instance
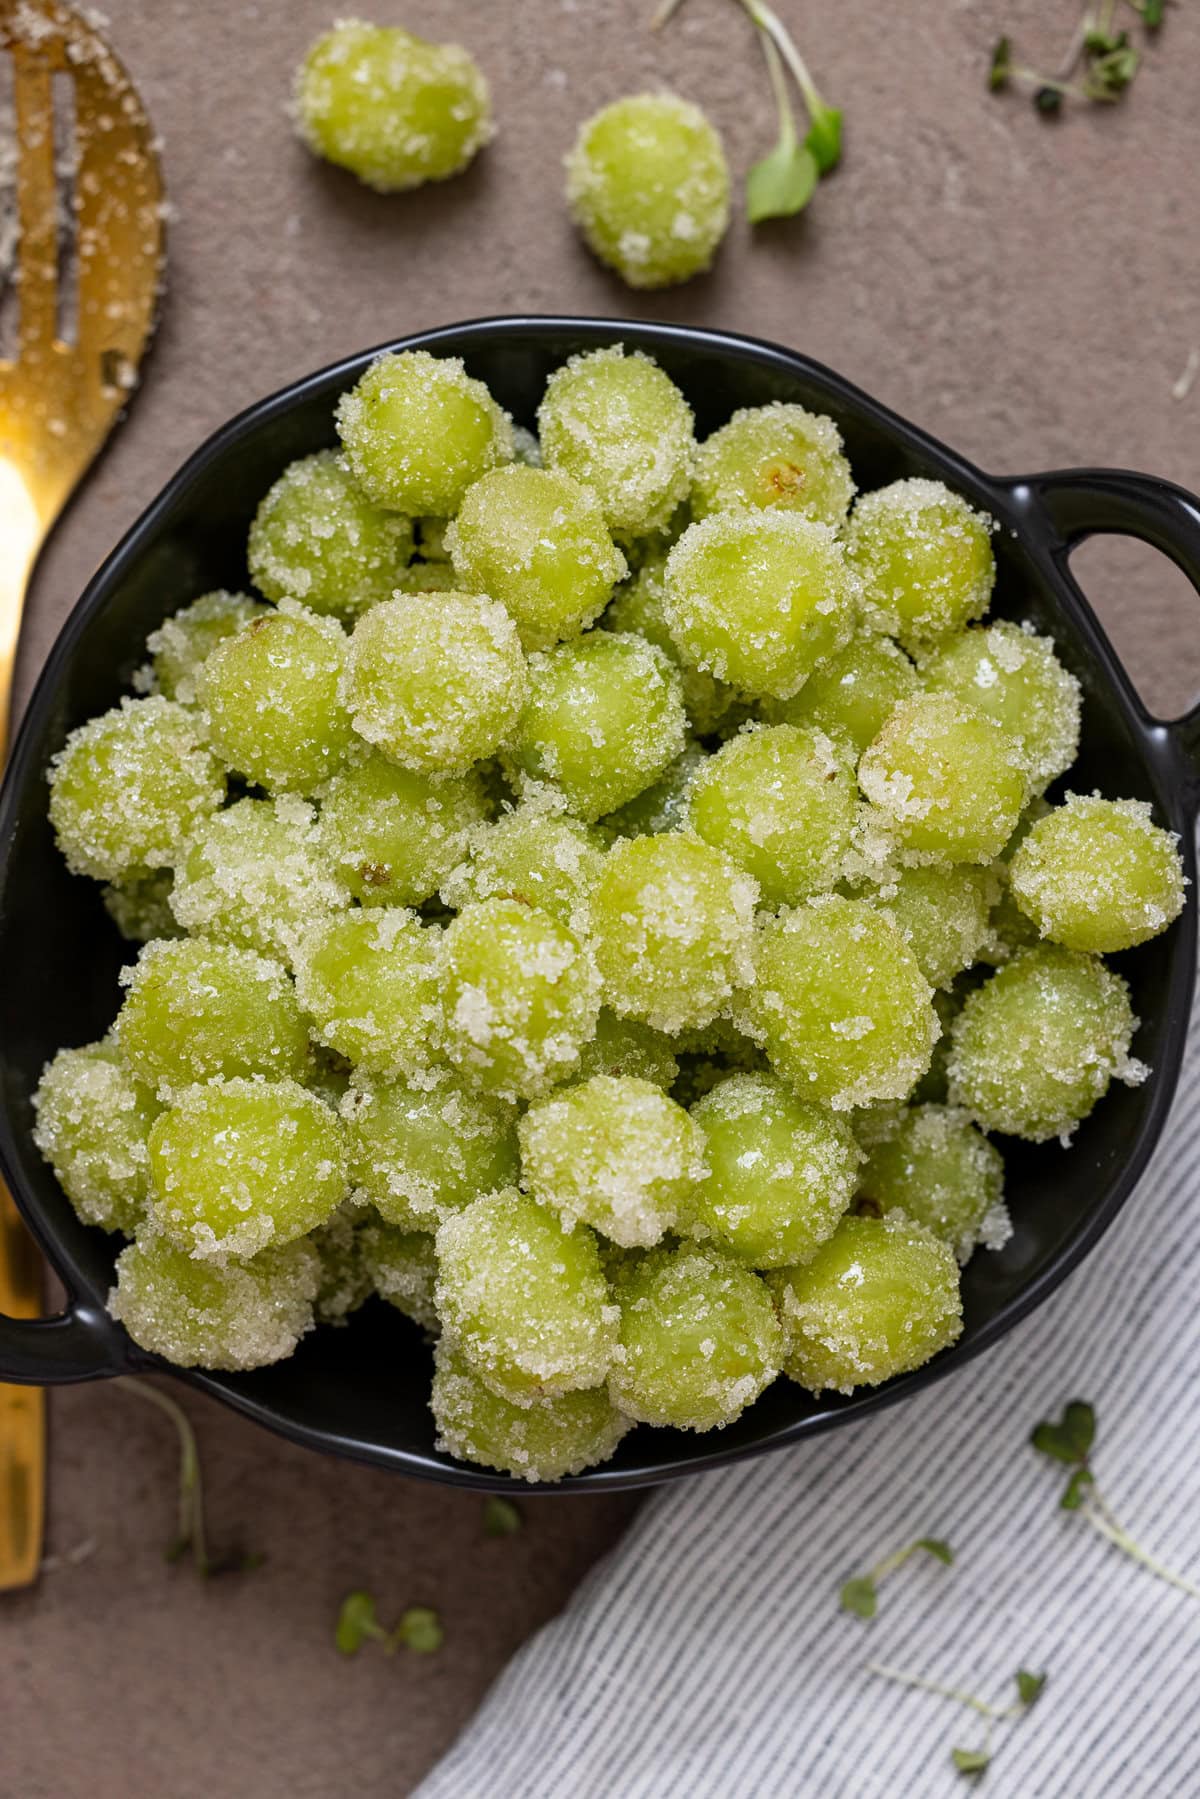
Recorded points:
(707, 1654)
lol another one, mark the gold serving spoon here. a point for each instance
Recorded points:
(99, 215)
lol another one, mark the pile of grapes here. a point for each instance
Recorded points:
(598, 898)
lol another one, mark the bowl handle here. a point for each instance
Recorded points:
(81, 1343)
(1087, 502)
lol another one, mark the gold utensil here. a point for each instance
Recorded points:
(98, 216)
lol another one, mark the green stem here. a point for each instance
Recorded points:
(1101, 1519)
(890, 1563)
(901, 1678)
(666, 12)
(783, 104)
(770, 23)
(191, 1491)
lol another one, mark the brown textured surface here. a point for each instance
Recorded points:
(1026, 291)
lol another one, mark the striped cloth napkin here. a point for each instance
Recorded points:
(707, 1655)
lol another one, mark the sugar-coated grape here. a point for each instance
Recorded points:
(946, 778)
(236, 1165)
(392, 835)
(781, 1171)
(345, 1278)
(317, 538)
(183, 642)
(1037, 1045)
(366, 979)
(699, 1338)
(880, 1298)
(624, 1046)
(615, 1153)
(523, 1299)
(1013, 675)
(709, 1056)
(194, 1009)
(128, 787)
(663, 806)
(256, 875)
(436, 681)
(759, 599)
(648, 186)
(540, 1441)
(140, 905)
(925, 559)
(272, 695)
(237, 1314)
(618, 423)
(852, 694)
(672, 923)
(420, 1152)
(638, 606)
(781, 800)
(537, 541)
(840, 1004)
(943, 914)
(1097, 874)
(418, 430)
(392, 108)
(780, 455)
(92, 1122)
(519, 997)
(402, 1266)
(605, 719)
(431, 537)
(427, 577)
(534, 854)
(942, 1171)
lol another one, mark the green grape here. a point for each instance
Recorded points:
(392, 835)
(759, 599)
(948, 781)
(523, 1299)
(605, 719)
(1037, 1045)
(427, 577)
(418, 1153)
(781, 1172)
(623, 1046)
(943, 1173)
(519, 997)
(418, 430)
(93, 1118)
(776, 456)
(709, 1056)
(536, 540)
(1013, 676)
(880, 1298)
(618, 423)
(840, 1004)
(256, 875)
(366, 979)
(925, 559)
(240, 1164)
(664, 806)
(346, 1280)
(648, 186)
(615, 1153)
(272, 695)
(1098, 874)
(140, 905)
(638, 606)
(673, 927)
(390, 107)
(431, 538)
(402, 1266)
(526, 447)
(128, 787)
(532, 854)
(182, 643)
(943, 914)
(317, 538)
(228, 1315)
(699, 1339)
(436, 681)
(782, 801)
(194, 1009)
(852, 695)
(328, 1076)
(540, 1441)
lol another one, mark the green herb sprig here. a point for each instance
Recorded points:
(191, 1533)
(1069, 1441)
(971, 1762)
(501, 1518)
(419, 1628)
(860, 1595)
(1100, 64)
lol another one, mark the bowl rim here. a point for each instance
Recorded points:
(1018, 502)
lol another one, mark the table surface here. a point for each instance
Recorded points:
(1026, 290)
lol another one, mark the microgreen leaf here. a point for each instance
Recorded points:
(781, 184)
(1076, 1489)
(1029, 1686)
(357, 1621)
(1079, 1426)
(824, 138)
(1048, 100)
(935, 1546)
(501, 1517)
(420, 1629)
(1000, 67)
(970, 1761)
(1051, 1439)
(1153, 13)
(859, 1596)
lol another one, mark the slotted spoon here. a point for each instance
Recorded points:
(59, 398)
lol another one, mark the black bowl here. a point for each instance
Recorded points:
(361, 1391)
